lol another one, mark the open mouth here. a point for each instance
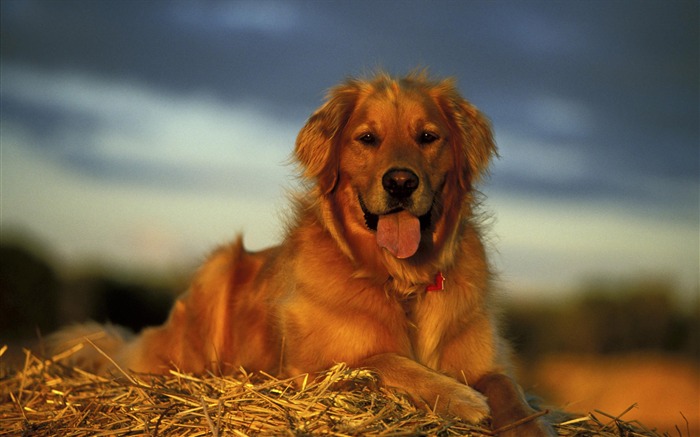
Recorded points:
(398, 231)
(372, 220)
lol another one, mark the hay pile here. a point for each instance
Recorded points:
(46, 398)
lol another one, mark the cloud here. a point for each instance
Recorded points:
(129, 132)
(536, 31)
(118, 171)
(555, 115)
(536, 159)
(266, 16)
(124, 224)
(559, 243)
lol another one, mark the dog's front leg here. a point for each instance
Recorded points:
(509, 408)
(428, 388)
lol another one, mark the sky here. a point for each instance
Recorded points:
(142, 134)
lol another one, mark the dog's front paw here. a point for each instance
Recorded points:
(511, 415)
(462, 401)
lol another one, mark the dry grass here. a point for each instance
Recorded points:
(45, 398)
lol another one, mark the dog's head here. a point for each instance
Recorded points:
(397, 159)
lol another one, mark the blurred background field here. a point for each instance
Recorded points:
(613, 344)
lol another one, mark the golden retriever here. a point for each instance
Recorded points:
(382, 266)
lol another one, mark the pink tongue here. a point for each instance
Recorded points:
(399, 233)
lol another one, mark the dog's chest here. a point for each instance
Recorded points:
(425, 328)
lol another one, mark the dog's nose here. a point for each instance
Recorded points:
(400, 183)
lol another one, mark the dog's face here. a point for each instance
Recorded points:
(396, 158)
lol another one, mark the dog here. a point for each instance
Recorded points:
(382, 266)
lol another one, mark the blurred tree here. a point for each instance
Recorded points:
(29, 290)
(35, 299)
(130, 303)
(607, 317)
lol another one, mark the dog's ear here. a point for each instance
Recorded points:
(472, 139)
(317, 143)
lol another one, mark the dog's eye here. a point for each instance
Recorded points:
(427, 138)
(367, 138)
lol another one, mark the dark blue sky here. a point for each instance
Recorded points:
(594, 104)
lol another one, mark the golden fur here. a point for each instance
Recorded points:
(329, 293)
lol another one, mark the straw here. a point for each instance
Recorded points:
(46, 398)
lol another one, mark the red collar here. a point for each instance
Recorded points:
(438, 285)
